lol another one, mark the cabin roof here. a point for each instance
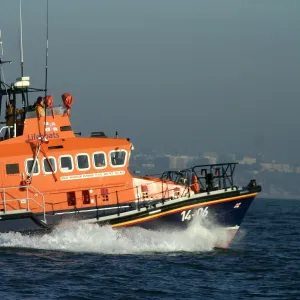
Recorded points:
(82, 144)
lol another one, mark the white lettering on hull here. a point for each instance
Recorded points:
(92, 175)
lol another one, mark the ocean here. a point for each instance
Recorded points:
(88, 262)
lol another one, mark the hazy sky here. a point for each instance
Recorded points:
(187, 75)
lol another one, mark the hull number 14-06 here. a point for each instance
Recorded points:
(189, 214)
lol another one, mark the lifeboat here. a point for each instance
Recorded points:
(49, 174)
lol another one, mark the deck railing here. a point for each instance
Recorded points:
(3, 132)
(27, 190)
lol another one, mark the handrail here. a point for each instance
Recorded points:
(43, 199)
(6, 127)
(27, 198)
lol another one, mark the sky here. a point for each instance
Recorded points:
(176, 76)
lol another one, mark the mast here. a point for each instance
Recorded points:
(14, 99)
(1, 46)
(47, 46)
(1, 55)
(21, 41)
(3, 85)
(46, 64)
(24, 93)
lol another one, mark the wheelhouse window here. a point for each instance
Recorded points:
(12, 169)
(66, 163)
(99, 160)
(48, 163)
(118, 158)
(83, 161)
(29, 166)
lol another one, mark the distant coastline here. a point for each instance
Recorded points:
(278, 197)
(278, 180)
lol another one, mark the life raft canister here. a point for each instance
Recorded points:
(67, 100)
(195, 185)
(48, 100)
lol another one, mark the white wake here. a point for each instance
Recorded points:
(90, 238)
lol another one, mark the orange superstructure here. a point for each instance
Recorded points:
(71, 172)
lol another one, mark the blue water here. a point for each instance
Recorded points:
(88, 262)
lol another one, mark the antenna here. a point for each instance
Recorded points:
(46, 64)
(2, 77)
(47, 46)
(1, 46)
(21, 41)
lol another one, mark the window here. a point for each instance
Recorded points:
(71, 198)
(118, 158)
(29, 166)
(12, 169)
(66, 163)
(83, 161)
(65, 128)
(99, 160)
(47, 167)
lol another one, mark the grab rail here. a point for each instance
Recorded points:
(27, 198)
(6, 127)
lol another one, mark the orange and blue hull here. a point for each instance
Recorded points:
(227, 212)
